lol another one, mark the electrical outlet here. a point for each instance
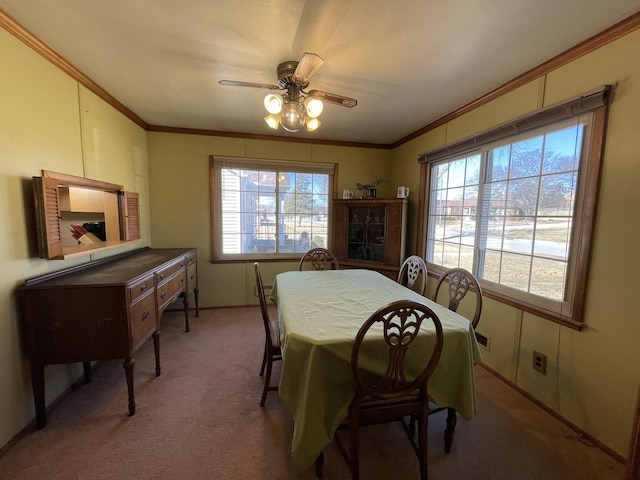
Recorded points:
(540, 362)
(483, 340)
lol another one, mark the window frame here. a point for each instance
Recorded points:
(218, 162)
(571, 315)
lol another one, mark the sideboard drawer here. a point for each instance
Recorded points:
(140, 288)
(166, 272)
(168, 291)
(143, 319)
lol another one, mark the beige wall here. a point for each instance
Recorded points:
(593, 375)
(49, 122)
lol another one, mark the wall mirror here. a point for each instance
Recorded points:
(77, 216)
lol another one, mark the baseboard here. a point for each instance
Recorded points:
(613, 454)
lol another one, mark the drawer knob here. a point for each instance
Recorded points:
(161, 276)
(181, 279)
(145, 315)
(143, 287)
(163, 294)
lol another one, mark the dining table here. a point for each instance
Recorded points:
(320, 313)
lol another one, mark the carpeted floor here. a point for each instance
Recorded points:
(201, 420)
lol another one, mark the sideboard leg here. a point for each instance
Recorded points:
(156, 349)
(185, 303)
(128, 369)
(37, 383)
(86, 367)
(195, 294)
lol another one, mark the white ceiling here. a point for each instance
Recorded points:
(407, 62)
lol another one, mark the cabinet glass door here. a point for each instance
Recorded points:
(366, 233)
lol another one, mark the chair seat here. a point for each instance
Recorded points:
(385, 410)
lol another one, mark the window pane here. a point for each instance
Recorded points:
(552, 238)
(492, 264)
(563, 146)
(548, 278)
(526, 158)
(438, 252)
(451, 255)
(522, 197)
(557, 193)
(466, 257)
(518, 235)
(457, 173)
(498, 165)
(514, 271)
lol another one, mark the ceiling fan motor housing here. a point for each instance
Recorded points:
(285, 74)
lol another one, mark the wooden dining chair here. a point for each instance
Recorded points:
(458, 281)
(412, 269)
(319, 258)
(272, 350)
(395, 394)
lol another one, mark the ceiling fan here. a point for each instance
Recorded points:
(295, 107)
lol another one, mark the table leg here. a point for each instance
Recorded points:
(195, 294)
(86, 367)
(37, 384)
(156, 349)
(128, 369)
(452, 419)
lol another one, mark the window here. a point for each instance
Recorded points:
(517, 211)
(266, 208)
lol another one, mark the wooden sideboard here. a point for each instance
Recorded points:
(103, 310)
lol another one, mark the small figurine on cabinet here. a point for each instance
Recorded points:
(368, 190)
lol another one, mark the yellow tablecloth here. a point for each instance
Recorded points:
(320, 314)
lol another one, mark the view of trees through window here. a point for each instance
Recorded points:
(506, 212)
(273, 211)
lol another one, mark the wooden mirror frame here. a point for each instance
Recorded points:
(119, 208)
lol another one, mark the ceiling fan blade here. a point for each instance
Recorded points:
(333, 98)
(307, 67)
(235, 83)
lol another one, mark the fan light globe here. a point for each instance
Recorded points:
(314, 107)
(273, 121)
(312, 124)
(292, 117)
(273, 103)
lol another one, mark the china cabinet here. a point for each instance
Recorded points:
(370, 233)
